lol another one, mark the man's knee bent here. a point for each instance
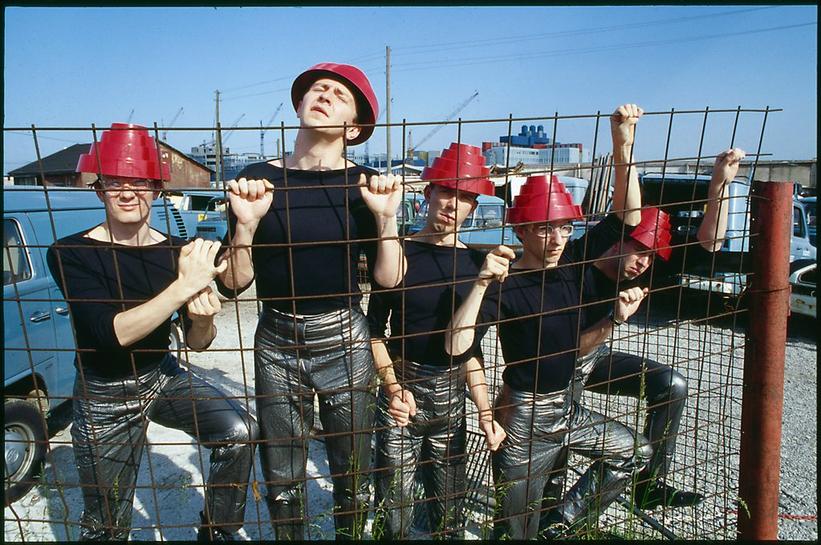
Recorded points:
(669, 386)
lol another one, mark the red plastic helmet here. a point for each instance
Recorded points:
(125, 151)
(542, 200)
(460, 167)
(367, 108)
(654, 231)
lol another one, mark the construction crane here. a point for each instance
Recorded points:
(171, 124)
(437, 128)
(226, 133)
(263, 128)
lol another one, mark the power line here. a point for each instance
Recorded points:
(20, 133)
(442, 46)
(265, 82)
(429, 65)
(257, 94)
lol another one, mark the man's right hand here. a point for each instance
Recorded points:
(496, 265)
(628, 302)
(196, 269)
(250, 199)
(402, 407)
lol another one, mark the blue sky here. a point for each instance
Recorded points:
(71, 67)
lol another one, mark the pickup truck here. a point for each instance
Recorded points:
(679, 195)
(38, 337)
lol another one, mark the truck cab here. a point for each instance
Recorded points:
(684, 197)
(802, 242)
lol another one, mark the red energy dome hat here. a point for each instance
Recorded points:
(367, 107)
(542, 200)
(654, 231)
(460, 167)
(125, 151)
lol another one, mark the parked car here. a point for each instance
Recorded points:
(38, 338)
(193, 206)
(214, 224)
(808, 203)
(802, 287)
(407, 211)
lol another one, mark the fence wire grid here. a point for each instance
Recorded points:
(697, 332)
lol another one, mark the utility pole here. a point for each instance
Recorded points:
(217, 135)
(388, 105)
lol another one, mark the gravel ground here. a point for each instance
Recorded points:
(711, 356)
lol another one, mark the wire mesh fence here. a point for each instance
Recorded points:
(318, 414)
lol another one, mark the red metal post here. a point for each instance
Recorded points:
(763, 401)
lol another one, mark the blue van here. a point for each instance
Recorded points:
(38, 343)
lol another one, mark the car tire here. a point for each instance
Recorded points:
(24, 449)
(175, 341)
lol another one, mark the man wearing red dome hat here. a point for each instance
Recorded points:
(123, 281)
(624, 267)
(539, 318)
(296, 228)
(421, 426)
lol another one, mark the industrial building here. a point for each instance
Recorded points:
(533, 147)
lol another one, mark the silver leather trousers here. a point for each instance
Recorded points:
(538, 427)
(431, 446)
(617, 373)
(111, 417)
(296, 357)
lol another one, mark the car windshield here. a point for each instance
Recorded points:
(488, 215)
(200, 202)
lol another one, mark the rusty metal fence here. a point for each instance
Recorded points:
(694, 323)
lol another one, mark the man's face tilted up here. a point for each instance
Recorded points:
(326, 103)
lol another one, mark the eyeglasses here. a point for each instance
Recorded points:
(546, 230)
(118, 185)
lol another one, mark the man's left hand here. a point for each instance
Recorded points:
(204, 306)
(494, 433)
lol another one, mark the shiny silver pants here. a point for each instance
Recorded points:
(296, 357)
(432, 445)
(538, 428)
(110, 421)
(663, 388)
(617, 373)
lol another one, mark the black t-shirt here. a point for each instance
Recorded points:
(307, 245)
(437, 281)
(599, 287)
(100, 280)
(540, 313)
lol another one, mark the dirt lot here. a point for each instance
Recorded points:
(709, 355)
